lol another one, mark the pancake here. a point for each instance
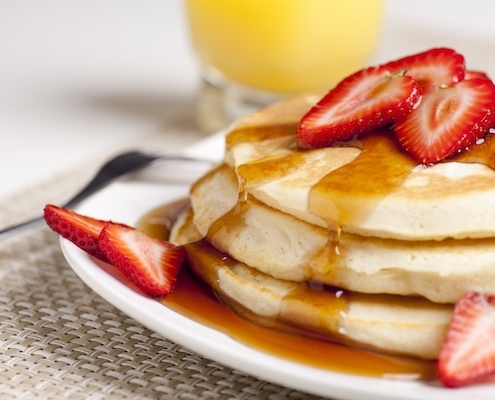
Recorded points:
(288, 248)
(354, 242)
(367, 186)
(409, 326)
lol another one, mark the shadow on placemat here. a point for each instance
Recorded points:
(59, 339)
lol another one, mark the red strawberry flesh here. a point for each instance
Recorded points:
(468, 352)
(81, 230)
(369, 99)
(472, 74)
(151, 264)
(447, 120)
(439, 67)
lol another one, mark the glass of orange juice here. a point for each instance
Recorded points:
(253, 52)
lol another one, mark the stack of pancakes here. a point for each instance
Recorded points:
(353, 243)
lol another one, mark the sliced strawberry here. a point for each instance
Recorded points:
(439, 67)
(471, 74)
(468, 351)
(81, 230)
(447, 120)
(151, 264)
(367, 100)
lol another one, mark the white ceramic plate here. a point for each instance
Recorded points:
(126, 201)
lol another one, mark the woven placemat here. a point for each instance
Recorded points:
(58, 339)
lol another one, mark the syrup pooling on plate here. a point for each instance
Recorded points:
(195, 300)
(158, 224)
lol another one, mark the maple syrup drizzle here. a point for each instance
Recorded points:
(349, 193)
(380, 168)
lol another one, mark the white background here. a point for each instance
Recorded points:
(78, 76)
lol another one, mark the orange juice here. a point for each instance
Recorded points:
(284, 46)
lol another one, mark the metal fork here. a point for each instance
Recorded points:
(117, 167)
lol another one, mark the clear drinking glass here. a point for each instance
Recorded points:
(253, 52)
